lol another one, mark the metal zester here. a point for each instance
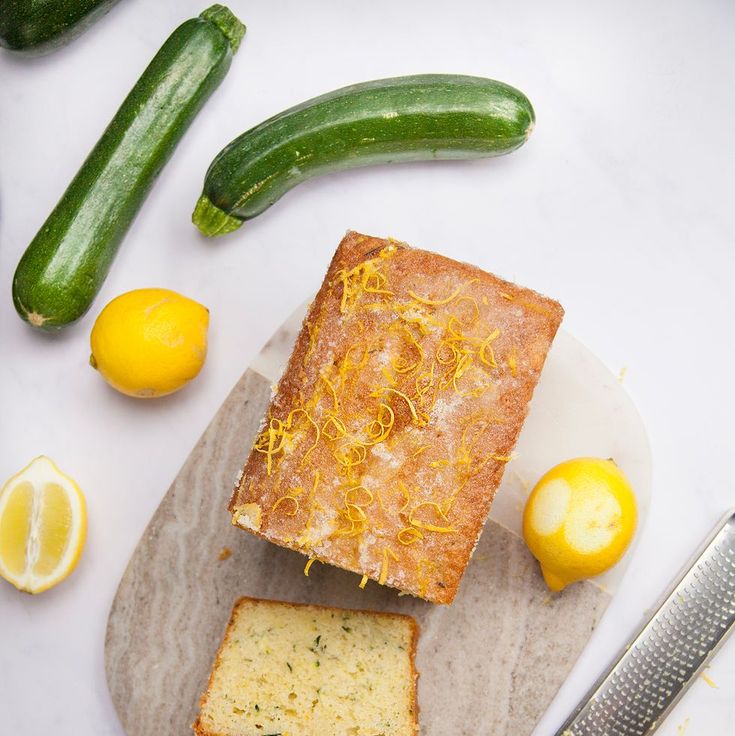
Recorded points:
(650, 674)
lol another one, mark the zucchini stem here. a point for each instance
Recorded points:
(211, 220)
(227, 22)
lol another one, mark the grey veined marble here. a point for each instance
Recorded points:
(489, 664)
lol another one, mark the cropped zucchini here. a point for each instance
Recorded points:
(44, 25)
(418, 118)
(66, 263)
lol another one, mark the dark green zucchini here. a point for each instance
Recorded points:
(431, 116)
(39, 26)
(66, 263)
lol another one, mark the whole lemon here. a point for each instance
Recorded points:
(579, 520)
(150, 342)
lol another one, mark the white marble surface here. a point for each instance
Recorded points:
(620, 206)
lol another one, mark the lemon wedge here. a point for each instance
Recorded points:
(579, 520)
(43, 525)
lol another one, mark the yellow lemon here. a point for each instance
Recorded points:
(150, 342)
(43, 525)
(579, 520)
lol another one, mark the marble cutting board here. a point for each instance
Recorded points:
(489, 664)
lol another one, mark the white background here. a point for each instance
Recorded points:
(620, 206)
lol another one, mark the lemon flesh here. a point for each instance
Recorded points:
(579, 520)
(43, 526)
(150, 342)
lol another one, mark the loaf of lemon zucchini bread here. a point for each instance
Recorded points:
(391, 427)
(295, 670)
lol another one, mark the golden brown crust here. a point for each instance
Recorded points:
(199, 728)
(414, 671)
(387, 321)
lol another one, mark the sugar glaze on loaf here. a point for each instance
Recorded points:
(399, 409)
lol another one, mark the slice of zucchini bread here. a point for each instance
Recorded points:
(296, 670)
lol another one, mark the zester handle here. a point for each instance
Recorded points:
(650, 675)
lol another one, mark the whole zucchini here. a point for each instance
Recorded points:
(39, 26)
(417, 118)
(66, 263)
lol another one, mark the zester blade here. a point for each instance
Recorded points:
(650, 674)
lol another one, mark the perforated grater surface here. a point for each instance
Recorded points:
(650, 675)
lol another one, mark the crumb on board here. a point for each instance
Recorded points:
(621, 375)
(681, 729)
(224, 553)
